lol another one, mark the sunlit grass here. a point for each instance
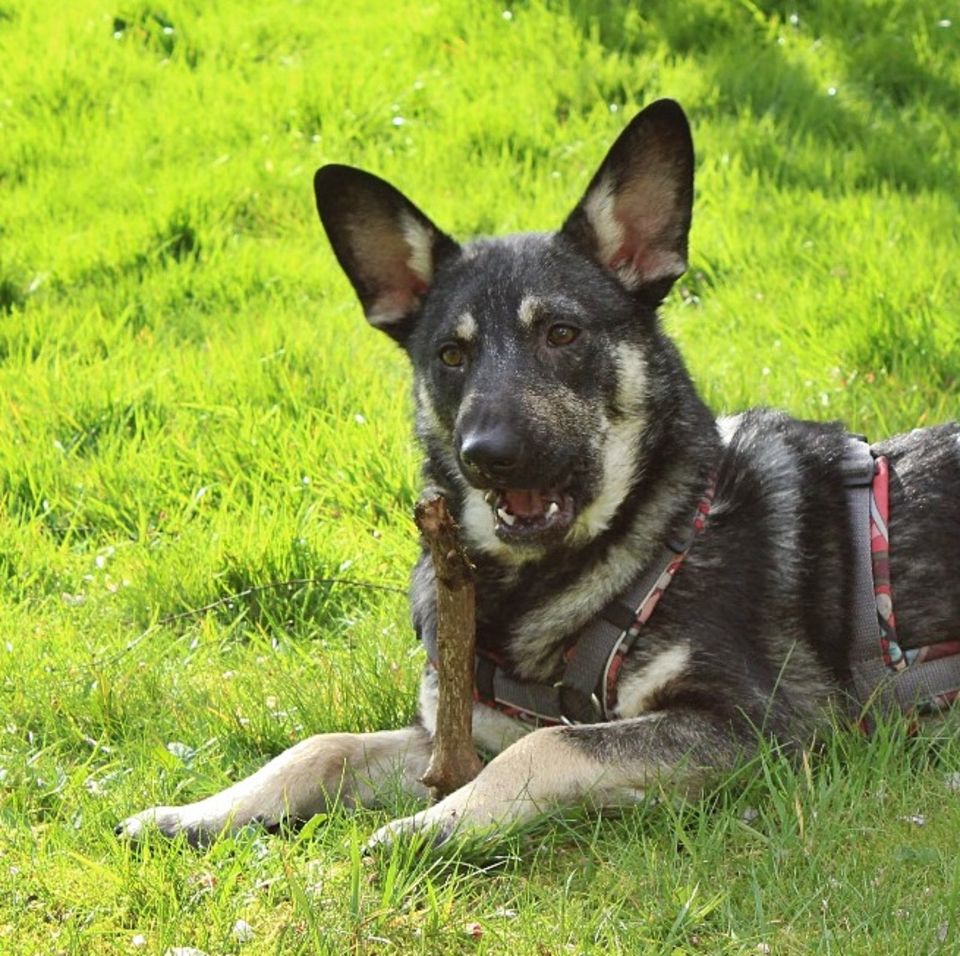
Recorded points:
(191, 406)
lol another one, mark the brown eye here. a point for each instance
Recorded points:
(562, 334)
(451, 356)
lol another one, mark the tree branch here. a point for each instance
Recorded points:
(454, 761)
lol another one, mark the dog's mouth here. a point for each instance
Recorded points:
(529, 514)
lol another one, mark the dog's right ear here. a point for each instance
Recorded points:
(386, 246)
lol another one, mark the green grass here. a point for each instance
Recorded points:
(191, 405)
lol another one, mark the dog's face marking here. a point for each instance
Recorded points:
(466, 328)
(530, 307)
(556, 307)
(617, 444)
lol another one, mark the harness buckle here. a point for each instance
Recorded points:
(577, 706)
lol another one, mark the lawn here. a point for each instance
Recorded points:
(206, 460)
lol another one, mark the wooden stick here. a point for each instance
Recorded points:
(454, 760)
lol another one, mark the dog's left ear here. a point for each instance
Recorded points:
(635, 215)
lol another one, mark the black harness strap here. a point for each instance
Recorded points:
(581, 696)
(583, 690)
(539, 702)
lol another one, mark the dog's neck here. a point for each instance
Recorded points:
(527, 610)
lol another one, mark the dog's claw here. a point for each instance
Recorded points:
(166, 821)
(433, 833)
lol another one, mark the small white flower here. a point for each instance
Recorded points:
(242, 931)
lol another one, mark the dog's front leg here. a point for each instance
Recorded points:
(599, 764)
(354, 769)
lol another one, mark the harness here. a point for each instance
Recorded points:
(587, 692)
(885, 678)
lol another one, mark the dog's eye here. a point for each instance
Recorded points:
(451, 356)
(561, 334)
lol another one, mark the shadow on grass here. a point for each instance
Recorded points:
(886, 103)
(293, 593)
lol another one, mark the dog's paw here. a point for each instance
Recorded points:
(433, 829)
(465, 816)
(167, 821)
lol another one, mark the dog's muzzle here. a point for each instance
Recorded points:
(526, 505)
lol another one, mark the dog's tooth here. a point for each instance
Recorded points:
(490, 497)
(506, 517)
(553, 509)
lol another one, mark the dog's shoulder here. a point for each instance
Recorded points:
(771, 459)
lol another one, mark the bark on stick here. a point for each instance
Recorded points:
(454, 761)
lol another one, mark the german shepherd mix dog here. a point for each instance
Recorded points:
(583, 468)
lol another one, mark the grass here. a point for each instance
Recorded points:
(191, 405)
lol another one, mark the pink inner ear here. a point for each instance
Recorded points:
(648, 263)
(391, 267)
(636, 229)
(399, 296)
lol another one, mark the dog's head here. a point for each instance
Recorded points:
(533, 355)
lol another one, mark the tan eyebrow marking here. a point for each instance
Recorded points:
(466, 327)
(532, 306)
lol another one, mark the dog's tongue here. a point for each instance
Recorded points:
(524, 502)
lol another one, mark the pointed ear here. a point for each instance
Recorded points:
(386, 246)
(635, 215)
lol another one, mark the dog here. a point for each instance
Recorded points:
(657, 590)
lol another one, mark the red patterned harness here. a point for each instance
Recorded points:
(921, 696)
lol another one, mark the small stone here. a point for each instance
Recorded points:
(242, 931)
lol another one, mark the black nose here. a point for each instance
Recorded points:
(492, 455)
